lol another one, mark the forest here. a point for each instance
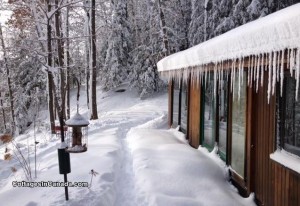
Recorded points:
(48, 47)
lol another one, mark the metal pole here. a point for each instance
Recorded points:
(66, 187)
(62, 135)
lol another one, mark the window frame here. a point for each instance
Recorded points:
(241, 179)
(202, 115)
(186, 86)
(179, 106)
(281, 114)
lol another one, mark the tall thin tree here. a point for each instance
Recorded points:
(94, 114)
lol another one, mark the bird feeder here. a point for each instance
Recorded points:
(79, 134)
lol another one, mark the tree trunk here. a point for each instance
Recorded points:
(13, 126)
(60, 54)
(3, 113)
(87, 51)
(68, 63)
(94, 114)
(49, 74)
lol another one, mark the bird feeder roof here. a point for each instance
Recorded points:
(77, 121)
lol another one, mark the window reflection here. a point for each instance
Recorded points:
(291, 117)
(239, 127)
(223, 117)
(209, 118)
(176, 92)
(184, 107)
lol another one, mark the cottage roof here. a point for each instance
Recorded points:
(275, 32)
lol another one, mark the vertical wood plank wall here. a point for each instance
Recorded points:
(194, 114)
(263, 140)
(273, 184)
(287, 187)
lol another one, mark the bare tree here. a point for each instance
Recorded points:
(94, 114)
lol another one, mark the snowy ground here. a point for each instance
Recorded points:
(138, 162)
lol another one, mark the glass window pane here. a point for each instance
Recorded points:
(175, 104)
(223, 117)
(239, 127)
(292, 118)
(209, 118)
(184, 107)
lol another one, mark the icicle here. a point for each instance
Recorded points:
(281, 72)
(255, 70)
(215, 79)
(289, 61)
(263, 68)
(270, 75)
(251, 71)
(205, 76)
(234, 73)
(243, 64)
(277, 66)
(274, 72)
(249, 68)
(258, 71)
(222, 72)
(297, 64)
(239, 93)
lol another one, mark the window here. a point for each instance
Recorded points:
(184, 108)
(289, 117)
(208, 114)
(223, 117)
(238, 135)
(176, 94)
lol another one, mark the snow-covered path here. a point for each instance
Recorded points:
(137, 163)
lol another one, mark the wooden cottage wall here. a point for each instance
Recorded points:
(287, 187)
(272, 183)
(194, 114)
(263, 144)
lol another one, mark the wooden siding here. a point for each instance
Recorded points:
(287, 187)
(194, 114)
(272, 183)
(263, 144)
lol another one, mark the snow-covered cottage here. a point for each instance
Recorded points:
(239, 93)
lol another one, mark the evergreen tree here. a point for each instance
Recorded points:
(116, 63)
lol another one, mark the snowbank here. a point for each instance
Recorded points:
(170, 172)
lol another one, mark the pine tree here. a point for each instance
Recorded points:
(116, 62)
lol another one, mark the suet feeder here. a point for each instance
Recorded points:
(79, 134)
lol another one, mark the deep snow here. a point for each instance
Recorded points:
(139, 162)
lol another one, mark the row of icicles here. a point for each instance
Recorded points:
(272, 62)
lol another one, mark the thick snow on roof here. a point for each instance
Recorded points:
(77, 120)
(275, 32)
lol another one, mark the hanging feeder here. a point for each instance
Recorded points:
(79, 134)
